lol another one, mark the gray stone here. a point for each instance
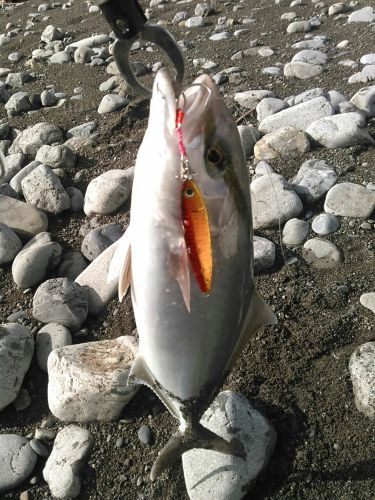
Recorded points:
(41, 54)
(15, 56)
(99, 239)
(61, 301)
(24, 219)
(83, 55)
(110, 84)
(212, 475)
(18, 79)
(364, 99)
(325, 224)
(295, 232)
(51, 33)
(362, 374)
(36, 259)
(365, 15)
(64, 466)
(299, 116)
(315, 57)
(22, 401)
(223, 35)
(89, 382)
(282, 143)
(313, 180)
(62, 57)
(13, 164)
(272, 71)
(368, 300)
(336, 98)
(302, 70)
(18, 103)
(321, 253)
(308, 95)
(249, 136)
(31, 139)
(16, 352)
(17, 460)
(195, 22)
(48, 98)
(83, 130)
(338, 8)
(7, 190)
(273, 201)
(4, 93)
(299, 27)
(49, 338)
(43, 189)
(269, 106)
(106, 193)
(16, 180)
(144, 434)
(60, 156)
(369, 72)
(350, 200)
(10, 244)
(112, 102)
(92, 41)
(368, 58)
(250, 98)
(72, 265)
(39, 448)
(76, 199)
(264, 254)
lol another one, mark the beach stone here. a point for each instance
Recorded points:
(59, 156)
(302, 70)
(31, 139)
(350, 200)
(13, 164)
(321, 253)
(65, 464)
(10, 244)
(62, 57)
(83, 55)
(112, 102)
(338, 8)
(51, 33)
(110, 84)
(91, 41)
(48, 98)
(195, 22)
(99, 239)
(249, 136)
(324, 224)
(7, 190)
(273, 201)
(16, 352)
(217, 37)
(282, 143)
(49, 338)
(340, 131)
(4, 93)
(72, 265)
(299, 27)
(269, 106)
(83, 130)
(16, 180)
(364, 99)
(309, 56)
(317, 42)
(76, 199)
(18, 79)
(368, 58)
(299, 116)
(362, 374)
(17, 461)
(43, 189)
(313, 180)
(18, 103)
(295, 232)
(25, 220)
(209, 474)
(22, 401)
(264, 254)
(368, 300)
(144, 434)
(39, 448)
(94, 279)
(89, 382)
(36, 259)
(365, 15)
(106, 193)
(336, 98)
(250, 98)
(61, 301)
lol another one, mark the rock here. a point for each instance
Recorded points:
(10, 244)
(350, 200)
(16, 352)
(64, 466)
(18, 103)
(106, 193)
(61, 57)
(313, 180)
(39, 448)
(94, 279)
(144, 434)
(61, 301)
(269, 106)
(298, 27)
(43, 189)
(13, 164)
(362, 374)
(264, 254)
(83, 130)
(7, 190)
(301, 70)
(83, 55)
(48, 98)
(321, 253)
(249, 136)
(92, 41)
(18, 79)
(365, 15)
(51, 33)
(99, 239)
(325, 224)
(295, 232)
(49, 338)
(282, 143)
(16, 181)
(72, 265)
(76, 199)
(336, 98)
(59, 156)
(112, 102)
(17, 460)
(110, 84)
(273, 201)
(250, 98)
(89, 382)
(299, 116)
(195, 22)
(368, 58)
(22, 401)
(340, 131)
(368, 300)
(24, 219)
(364, 99)
(217, 37)
(212, 475)
(315, 57)
(338, 8)
(36, 259)
(31, 139)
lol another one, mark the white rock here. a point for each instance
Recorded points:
(25, 220)
(13, 164)
(269, 106)
(83, 54)
(273, 201)
(350, 200)
(302, 70)
(59, 156)
(313, 180)
(338, 8)
(362, 374)
(321, 253)
(368, 300)
(295, 232)
(336, 98)
(61, 57)
(112, 102)
(76, 199)
(106, 193)
(89, 382)
(10, 244)
(365, 15)
(92, 41)
(49, 338)
(51, 33)
(299, 116)
(72, 264)
(16, 352)
(16, 180)
(31, 139)
(213, 475)
(48, 98)
(17, 461)
(311, 56)
(325, 224)
(18, 103)
(298, 27)
(195, 22)
(249, 136)
(313, 43)
(66, 462)
(224, 35)
(282, 143)
(250, 98)
(357, 77)
(364, 99)
(264, 254)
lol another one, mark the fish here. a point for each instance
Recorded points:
(189, 336)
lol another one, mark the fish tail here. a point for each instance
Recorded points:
(198, 437)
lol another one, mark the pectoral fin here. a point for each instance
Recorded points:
(178, 263)
(120, 267)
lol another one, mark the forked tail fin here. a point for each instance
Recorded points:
(198, 437)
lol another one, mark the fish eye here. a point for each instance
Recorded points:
(217, 163)
(214, 155)
(189, 192)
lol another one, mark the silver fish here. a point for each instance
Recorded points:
(185, 354)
